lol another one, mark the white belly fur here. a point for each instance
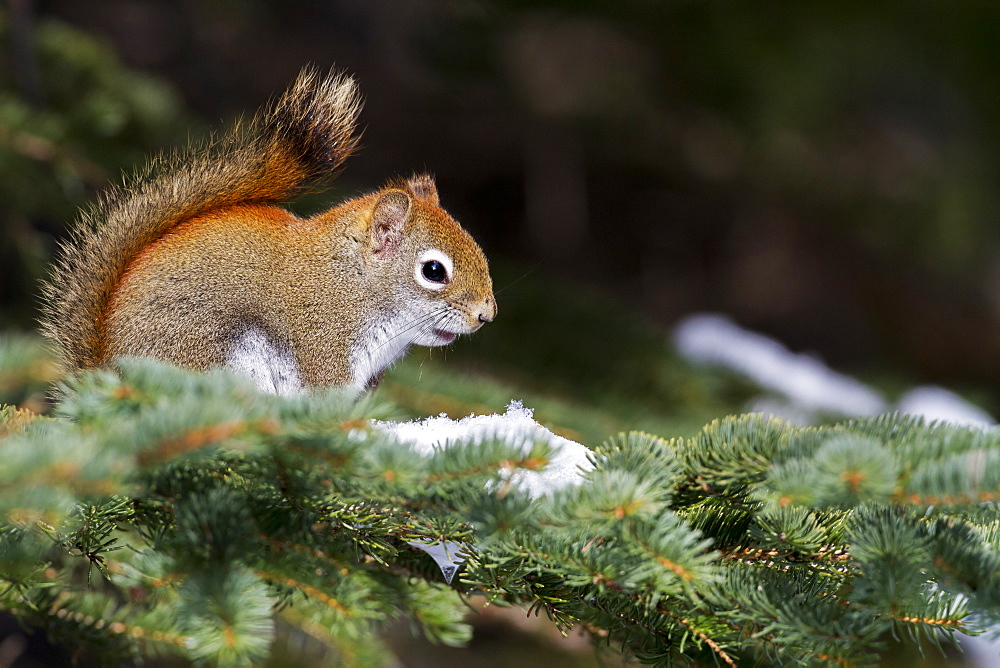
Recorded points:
(271, 367)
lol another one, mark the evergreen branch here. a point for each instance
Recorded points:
(744, 540)
(800, 616)
(542, 562)
(199, 437)
(61, 609)
(714, 646)
(13, 419)
(748, 555)
(141, 633)
(321, 633)
(465, 461)
(306, 589)
(943, 622)
(727, 455)
(675, 568)
(227, 613)
(838, 660)
(68, 474)
(656, 457)
(129, 575)
(676, 548)
(959, 499)
(612, 496)
(282, 545)
(509, 464)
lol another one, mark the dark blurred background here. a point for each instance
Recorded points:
(823, 172)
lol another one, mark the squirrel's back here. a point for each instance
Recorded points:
(301, 138)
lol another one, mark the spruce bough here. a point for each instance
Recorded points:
(164, 511)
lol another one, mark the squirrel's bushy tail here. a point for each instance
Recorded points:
(302, 137)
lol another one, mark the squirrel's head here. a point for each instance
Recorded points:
(435, 267)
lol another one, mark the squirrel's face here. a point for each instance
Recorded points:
(450, 283)
(442, 283)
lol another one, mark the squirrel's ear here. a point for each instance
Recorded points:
(388, 219)
(422, 186)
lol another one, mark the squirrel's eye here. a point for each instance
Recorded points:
(434, 271)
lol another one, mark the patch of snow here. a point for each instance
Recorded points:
(781, 408)
(937, 403)
(982, 651)
(807, 382)
(517, 427)
(805, 385)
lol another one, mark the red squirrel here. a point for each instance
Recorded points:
(195, 263)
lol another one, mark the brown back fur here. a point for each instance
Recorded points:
(302, 138)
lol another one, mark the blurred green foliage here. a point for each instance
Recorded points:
(71, 118)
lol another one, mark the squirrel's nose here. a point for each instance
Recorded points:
(489, 311)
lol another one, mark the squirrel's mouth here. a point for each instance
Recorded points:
(444, 336)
